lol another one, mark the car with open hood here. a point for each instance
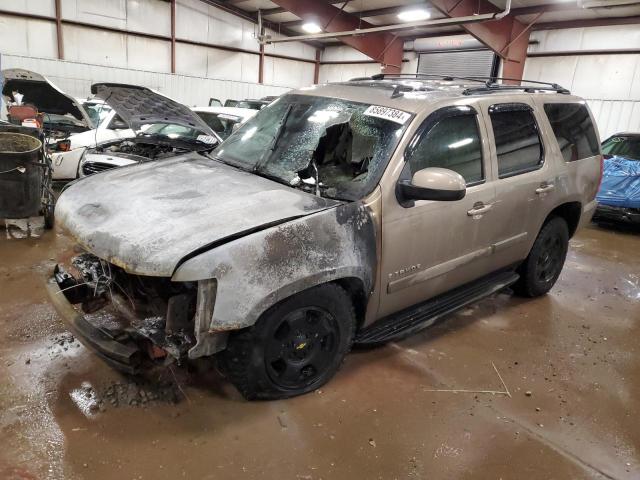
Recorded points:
(62, 115)
(349, 213)
(224, 120)
(66, 154)
(157, 127)
(619, 195)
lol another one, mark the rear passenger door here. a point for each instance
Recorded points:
(525, 176)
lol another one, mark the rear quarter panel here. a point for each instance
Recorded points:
(576, 181)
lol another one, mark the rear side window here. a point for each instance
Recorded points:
(573, 130)
(453, 143)
(518, 144)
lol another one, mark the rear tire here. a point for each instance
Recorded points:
(542, 267)
(295, 346)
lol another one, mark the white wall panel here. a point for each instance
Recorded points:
(288, 72)
(291, 49)
(343, 54)
(154, 55)
(224, 64)
(609, 82)
(588, 38)
(35, 7)
(76, 79)
(199, 22)
(27, 37)
(110, 13)
(191, 20)
(149, 16)
(250, 67)
(88, 45)
(344, 72)
(191, 60)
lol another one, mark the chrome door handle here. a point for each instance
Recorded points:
(544, 188)
(479, 209)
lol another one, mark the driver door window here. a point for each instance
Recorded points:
(453, 143)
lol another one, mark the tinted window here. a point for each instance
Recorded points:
(518, 144)
(452, 143)
(573, 130)
(623, 146)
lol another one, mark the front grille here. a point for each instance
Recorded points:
(89, 168)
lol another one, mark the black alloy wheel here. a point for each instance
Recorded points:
(295, 346)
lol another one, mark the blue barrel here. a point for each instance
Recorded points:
(21, 175)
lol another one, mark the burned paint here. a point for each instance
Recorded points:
(257, 271)
(121, 217)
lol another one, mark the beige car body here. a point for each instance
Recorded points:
(254, 243)
(418, 259)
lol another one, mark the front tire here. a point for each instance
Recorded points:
(294, 348)
(542, 267)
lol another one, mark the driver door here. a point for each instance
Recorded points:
(430, 247)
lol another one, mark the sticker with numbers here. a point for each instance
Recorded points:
(387, 113)
(207, 139)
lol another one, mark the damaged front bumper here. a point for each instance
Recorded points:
(129, 320)
(122, 355)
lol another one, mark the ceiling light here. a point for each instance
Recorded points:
(414, 15)
(311, 28)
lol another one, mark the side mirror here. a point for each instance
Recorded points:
(433, 183)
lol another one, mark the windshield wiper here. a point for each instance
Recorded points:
(274, 143)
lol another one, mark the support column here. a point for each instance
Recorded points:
(316, 72)
(59, 30)
(173, 36)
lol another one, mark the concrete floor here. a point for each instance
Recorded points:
(571, 361)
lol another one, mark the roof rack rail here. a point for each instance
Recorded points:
(490, 84)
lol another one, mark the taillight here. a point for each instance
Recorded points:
(601, 171)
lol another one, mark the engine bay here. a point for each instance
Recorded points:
(145, 149)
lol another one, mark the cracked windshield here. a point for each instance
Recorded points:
(327, 146)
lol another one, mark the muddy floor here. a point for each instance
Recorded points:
(432, 406)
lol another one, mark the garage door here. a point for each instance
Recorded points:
(462, 63)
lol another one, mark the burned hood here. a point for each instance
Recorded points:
(38, 91)
(149, 217)
(139, 106)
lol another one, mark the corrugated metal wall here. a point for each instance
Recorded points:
(609, 82)
(99, 55)
(76, 79)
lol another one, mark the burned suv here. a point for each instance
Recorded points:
(341, 214)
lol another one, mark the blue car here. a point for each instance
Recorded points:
(619, 194)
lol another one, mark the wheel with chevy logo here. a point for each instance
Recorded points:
(294, 348)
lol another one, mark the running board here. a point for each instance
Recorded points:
(416, 318)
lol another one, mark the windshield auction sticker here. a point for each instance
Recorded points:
(207, 139)
(387, 113)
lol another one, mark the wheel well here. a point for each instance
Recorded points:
(570, 212)
(355, 289)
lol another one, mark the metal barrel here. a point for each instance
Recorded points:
(21, 175)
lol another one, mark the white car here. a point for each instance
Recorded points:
(160, 128)
(66, 155)
(222, 120)
(62, 115)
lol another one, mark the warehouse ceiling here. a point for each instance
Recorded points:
(542, 13)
